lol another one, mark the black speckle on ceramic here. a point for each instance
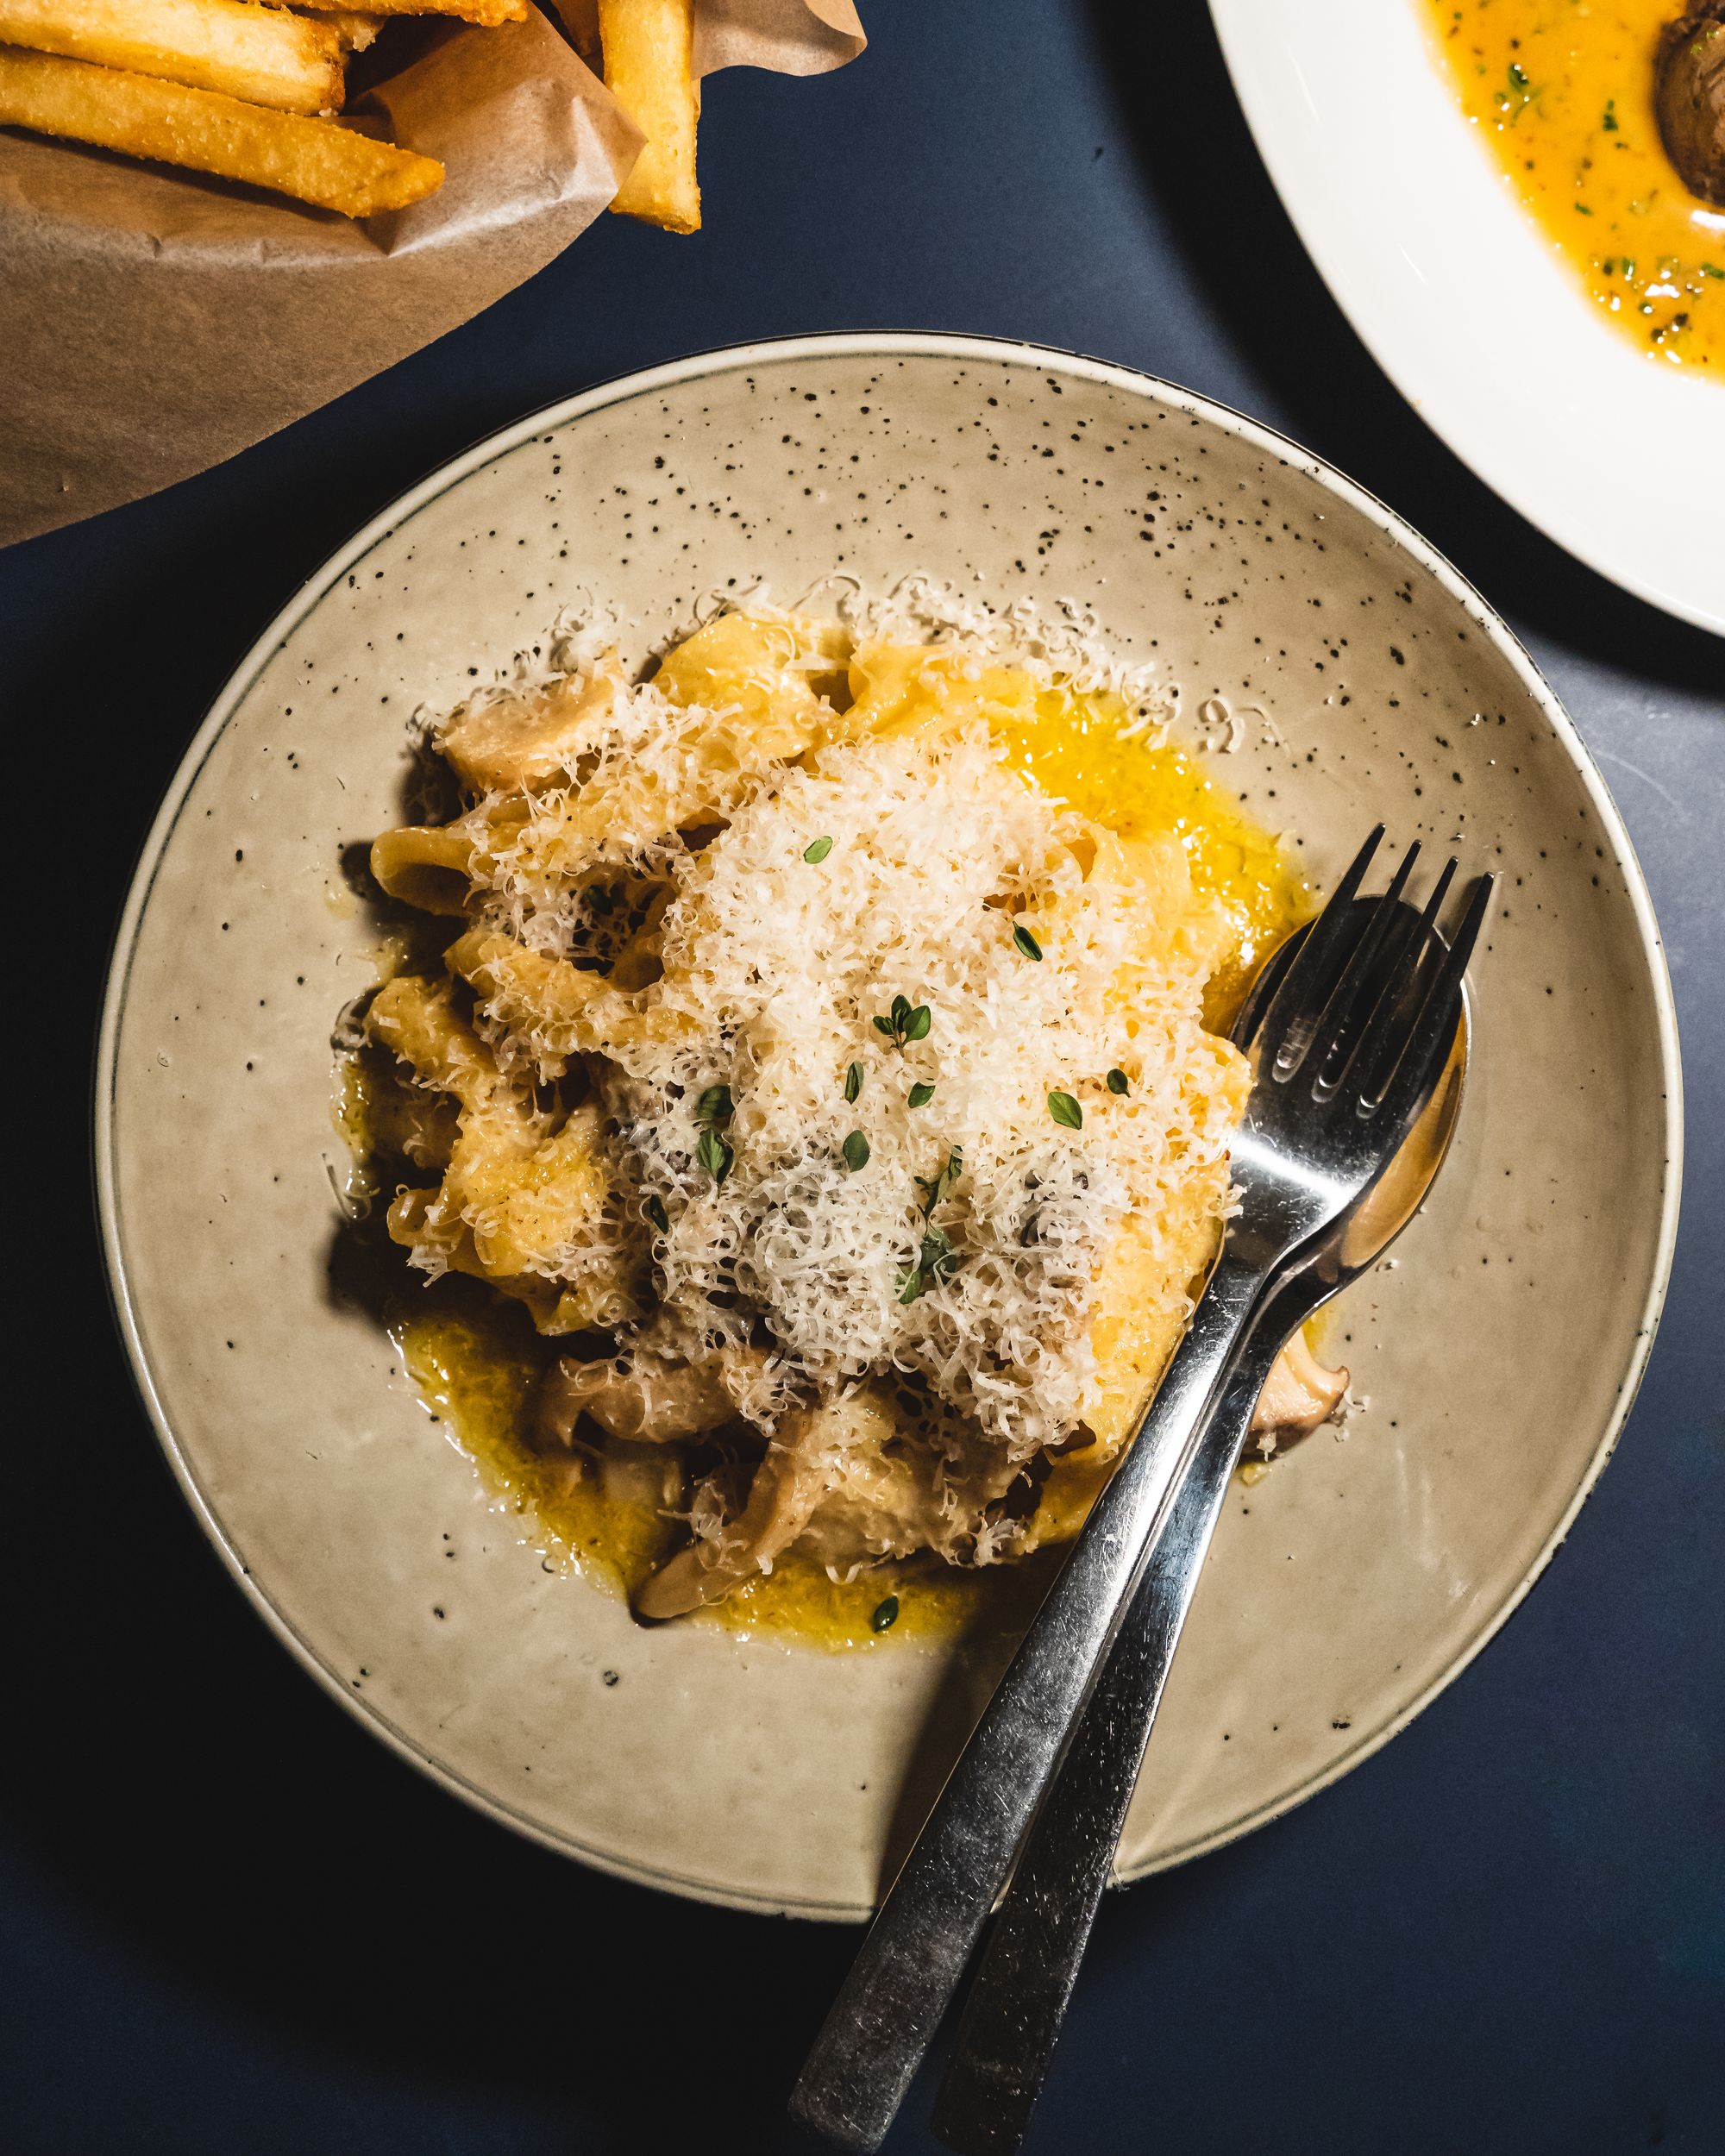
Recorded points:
(1359, 679)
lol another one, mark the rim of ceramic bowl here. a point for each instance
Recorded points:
(650, 381)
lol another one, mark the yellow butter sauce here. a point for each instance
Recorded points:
(1562, 93)
(1077, 750)
(475, 1359)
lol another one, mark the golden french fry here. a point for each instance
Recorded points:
(648, 53)
(315, 160)
(356, 31)
(488, 12)
(261, 54)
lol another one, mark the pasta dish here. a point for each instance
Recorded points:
(814, 1041)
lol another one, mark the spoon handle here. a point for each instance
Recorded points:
(1019, 1996)
(909, 1965)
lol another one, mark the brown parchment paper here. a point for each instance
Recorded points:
(152, 323)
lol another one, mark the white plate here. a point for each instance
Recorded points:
(1499, 1354)
(1466, 306)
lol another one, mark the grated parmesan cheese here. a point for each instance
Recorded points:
(699, 896)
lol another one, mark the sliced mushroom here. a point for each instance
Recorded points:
(802, 1464)
(1298, 1396)
(643, 1396)
(788, 1486)
(1690, 98)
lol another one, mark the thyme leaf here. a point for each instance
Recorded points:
(714, 1105)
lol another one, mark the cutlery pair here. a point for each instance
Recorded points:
(1353, 1033)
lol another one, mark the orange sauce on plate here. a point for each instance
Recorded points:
(1562, 93)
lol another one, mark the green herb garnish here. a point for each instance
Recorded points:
(853, 1081)
(886, 1614)
(1065, 1110)
(905, 1022)
(817, 852)
(1711, 269)
(714, 1105)
(855, 1152)
(937, 1260)
(1609, 123)
(920, 1095)
(656, 1213)
(714, 1155)
(1118, 1080)
(934, 1187)
(1025, 943)
(1521, 93)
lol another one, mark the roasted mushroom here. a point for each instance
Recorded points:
(1299, 1394)
(1690, 98)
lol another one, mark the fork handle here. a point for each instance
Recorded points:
(908, 1967)
(1020, 1993)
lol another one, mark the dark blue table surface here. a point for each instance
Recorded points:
(233, 1923)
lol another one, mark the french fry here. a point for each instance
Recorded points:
(488, 12)
(648, 55)
(314, 160)
(357, 32)
(262, 54)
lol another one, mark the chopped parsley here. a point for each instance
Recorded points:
(817, 852)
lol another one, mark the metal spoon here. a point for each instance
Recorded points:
(1019, 1998)
(1351, 1045)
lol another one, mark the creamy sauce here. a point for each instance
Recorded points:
(1562, 91)
(475, 1358)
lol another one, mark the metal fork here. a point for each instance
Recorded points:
(1352, 1041)
(1022, 1986)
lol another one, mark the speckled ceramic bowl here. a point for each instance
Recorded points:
(1498, 1356)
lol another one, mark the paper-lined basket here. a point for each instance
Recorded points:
(155, 322)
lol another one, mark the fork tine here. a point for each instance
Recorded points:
(1333, 1028)
(1377, 1042)
(1414, 1070)
(1296, 999)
